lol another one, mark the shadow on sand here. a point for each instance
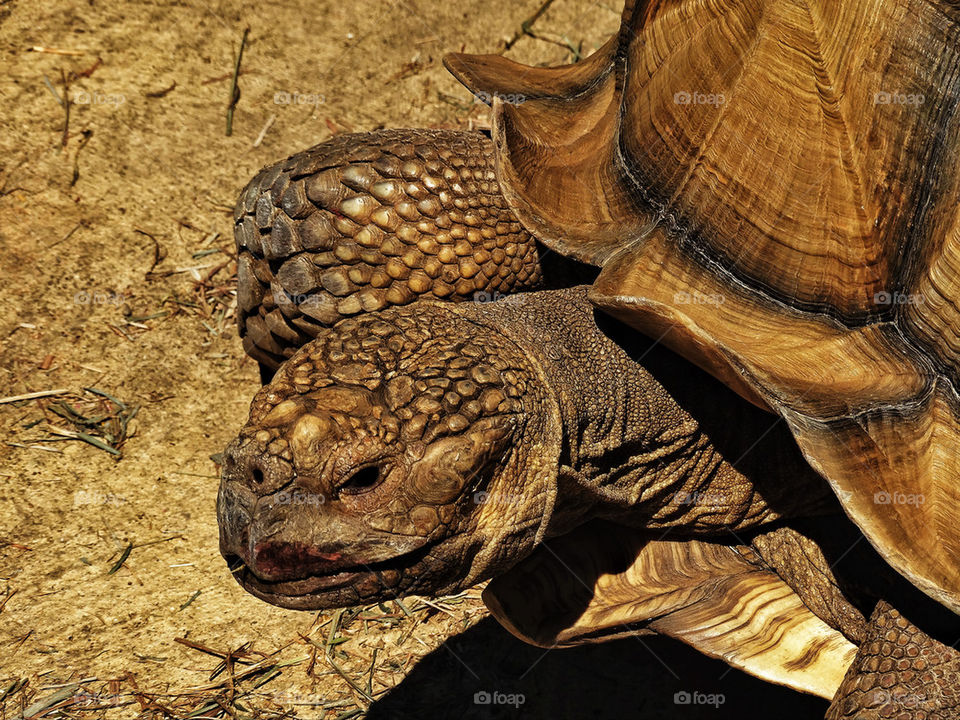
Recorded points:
(629, 678)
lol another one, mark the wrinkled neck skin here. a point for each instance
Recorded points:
(648, 440)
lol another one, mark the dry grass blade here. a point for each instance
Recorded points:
(237, 655)
(34, 395)
(89, 439)
(193, 597)
(15, 686)
(238, 676)
(95, 416)
(123, 558)
(234, 90)
(213, 297)
(527, 24)
(352, 683)
(334, 629)
(48, 702)
(55, 51)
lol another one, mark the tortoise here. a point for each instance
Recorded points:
(726, 355)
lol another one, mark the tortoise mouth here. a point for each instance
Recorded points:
(340, 588)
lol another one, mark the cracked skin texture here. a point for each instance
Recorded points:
(381, 393)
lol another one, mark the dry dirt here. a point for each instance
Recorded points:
(117, 263)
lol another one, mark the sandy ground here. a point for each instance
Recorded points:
(117, 266)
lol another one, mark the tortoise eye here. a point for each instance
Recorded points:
(363, 480)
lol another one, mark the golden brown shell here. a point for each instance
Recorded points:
(771, 188)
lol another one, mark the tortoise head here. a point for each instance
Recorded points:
(389, 456)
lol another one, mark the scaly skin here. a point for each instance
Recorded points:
(801, 561)
(528, 400)
(900, 672)
(368, 221)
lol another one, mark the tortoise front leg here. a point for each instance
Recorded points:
(370, 220)
(899, 672)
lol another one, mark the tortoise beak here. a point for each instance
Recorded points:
(285, 536)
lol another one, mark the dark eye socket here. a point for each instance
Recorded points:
(363, 480)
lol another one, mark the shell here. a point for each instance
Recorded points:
(771, 189)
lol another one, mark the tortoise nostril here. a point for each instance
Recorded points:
(256, 475)
(362, 480)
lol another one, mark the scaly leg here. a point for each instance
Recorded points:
(367, 221)
(899, 672)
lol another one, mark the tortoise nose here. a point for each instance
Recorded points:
(234, 509)
(250, 466)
